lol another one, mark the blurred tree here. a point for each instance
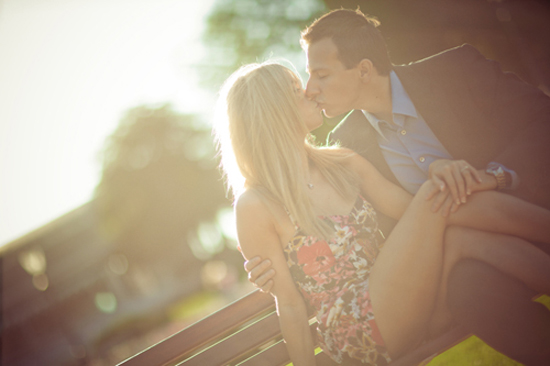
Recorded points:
(244, 31)
(159, 181)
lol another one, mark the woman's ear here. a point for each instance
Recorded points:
(366, 69)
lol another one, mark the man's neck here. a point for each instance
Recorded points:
(378, 98)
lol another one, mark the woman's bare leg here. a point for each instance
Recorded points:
(404, 281)
(513, 256)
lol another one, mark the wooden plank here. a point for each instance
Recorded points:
(219, 324)
(277, 354)
(238, 344)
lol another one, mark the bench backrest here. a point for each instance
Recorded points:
(246, 333)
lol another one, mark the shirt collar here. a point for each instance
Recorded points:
(401, 104)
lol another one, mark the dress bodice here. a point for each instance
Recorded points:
(333, 279)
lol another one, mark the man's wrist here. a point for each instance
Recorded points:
(490, 181)
(505, 178)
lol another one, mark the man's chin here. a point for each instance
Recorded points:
(328, 114)
(334, 113)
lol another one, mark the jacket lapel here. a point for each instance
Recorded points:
(356, 133)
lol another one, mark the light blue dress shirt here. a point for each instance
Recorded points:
(408, 144)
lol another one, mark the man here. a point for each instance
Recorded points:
(453, 118)
(438, 118)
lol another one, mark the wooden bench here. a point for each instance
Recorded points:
(247, 333)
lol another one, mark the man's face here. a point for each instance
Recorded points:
(330, 83)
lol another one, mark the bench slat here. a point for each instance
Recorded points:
(183, 343)
(277, 355)
(239, 344)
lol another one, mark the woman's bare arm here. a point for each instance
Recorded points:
(393, 200)
(385, 196)
(258, 237)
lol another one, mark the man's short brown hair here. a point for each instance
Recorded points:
(355, 35)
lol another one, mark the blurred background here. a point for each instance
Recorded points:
(115, 227)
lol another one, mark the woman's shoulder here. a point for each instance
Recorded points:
(249, 200)
(253, 204)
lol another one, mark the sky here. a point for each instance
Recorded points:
(69, 69)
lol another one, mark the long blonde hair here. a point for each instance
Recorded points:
(257, 129)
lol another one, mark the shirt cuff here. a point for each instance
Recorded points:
(514, 182)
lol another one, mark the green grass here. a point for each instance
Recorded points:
(471, 351)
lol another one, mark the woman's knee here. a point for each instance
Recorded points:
(455, 241)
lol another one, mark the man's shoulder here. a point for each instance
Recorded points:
(452, 67)
(448, 58)
(455, 54)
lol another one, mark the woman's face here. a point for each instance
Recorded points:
(309, 109)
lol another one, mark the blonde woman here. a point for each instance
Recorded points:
(312, 212)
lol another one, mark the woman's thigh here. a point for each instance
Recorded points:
(405, 278)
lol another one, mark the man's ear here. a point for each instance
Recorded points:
(366, 69)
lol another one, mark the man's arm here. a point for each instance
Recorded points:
(517, 117)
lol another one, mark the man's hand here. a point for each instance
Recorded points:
(260, 273)
(443, 201)
(457, 176)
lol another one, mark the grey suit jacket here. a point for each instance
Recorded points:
(479, 113)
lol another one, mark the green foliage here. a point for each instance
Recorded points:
(245, 31)
(159, 179)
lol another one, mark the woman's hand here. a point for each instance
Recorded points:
(446, 202)
(456, 176)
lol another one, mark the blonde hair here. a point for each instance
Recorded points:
(258, 129)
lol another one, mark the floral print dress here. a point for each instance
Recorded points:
(333, 279)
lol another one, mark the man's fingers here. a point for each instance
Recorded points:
(256, 270)
(251, 263)
(454, 207)
(459, 182)
(438, 186)
(267, 287)
(449, 178)
(263, 280)
(469, 179)
(439, 200)
(476, 175)
(447, 205)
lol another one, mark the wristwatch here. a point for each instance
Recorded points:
(504, 178)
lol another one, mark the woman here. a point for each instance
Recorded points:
(312, 211)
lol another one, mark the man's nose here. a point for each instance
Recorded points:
(311, 89)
